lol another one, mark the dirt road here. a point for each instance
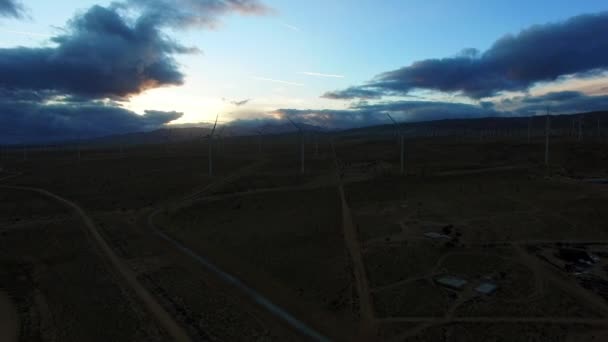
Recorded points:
(225, 277)
(125, 272)
(366, 309)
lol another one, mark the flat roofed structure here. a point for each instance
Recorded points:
(451, 282)
(486, 288)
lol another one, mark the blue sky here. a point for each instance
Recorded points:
(356, 40)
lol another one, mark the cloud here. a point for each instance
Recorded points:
(240, 103)
(237, 103)
(25, 121)
(318, 74)
(194, 13)
(541, 53)
(101, 55)
(105, 54)
(365, 114)
(562, 102)
(366, 93)
(11, 8)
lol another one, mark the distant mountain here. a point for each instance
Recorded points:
(446, 126)
(565, 122)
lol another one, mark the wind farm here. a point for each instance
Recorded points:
(274, 170)
(273, 249)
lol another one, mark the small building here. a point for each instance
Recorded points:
(486, 288)
(451, 282)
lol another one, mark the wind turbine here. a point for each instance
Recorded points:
(529, 128)
(211, 146)
(260, 133)
(580, 128)
(401, 143)
(301, 136)
(220, 136)
(547, 132)
(78, 148)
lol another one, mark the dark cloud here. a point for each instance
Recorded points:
(192, 13)
(106, 54)
(11, 8)
(514, 62)
(563, 102)
(33, 122)
(428, 110)
(332, 118)
(364, 114)
(237, 103)
(100, 56)
(559, 96)
(355, 93)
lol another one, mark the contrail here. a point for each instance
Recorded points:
(27, 33)
(291, 27)
(318, 74)
(277, 81)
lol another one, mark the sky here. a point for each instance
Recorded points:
(90, 67)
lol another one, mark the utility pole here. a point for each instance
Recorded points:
(580, 128)
(401, 144)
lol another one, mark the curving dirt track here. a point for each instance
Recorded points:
(366, 309)
(126, 273)
(225, 277)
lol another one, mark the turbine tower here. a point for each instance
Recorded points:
(401, 143)
(580, 128)
(211, 146)
(301, 136)
(547, 133)
(220, 136)
(260, 133)
(529, 128)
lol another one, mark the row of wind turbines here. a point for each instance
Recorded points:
(217, 132)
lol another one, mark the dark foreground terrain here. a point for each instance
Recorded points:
(141, 244)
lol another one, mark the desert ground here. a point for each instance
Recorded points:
(142, 244)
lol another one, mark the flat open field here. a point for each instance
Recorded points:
(348, 249)
(290, 242)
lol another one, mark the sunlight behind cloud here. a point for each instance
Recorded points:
(195, 108)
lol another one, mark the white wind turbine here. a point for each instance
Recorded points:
(210, 136)
(547, 133)
(260, 133)
(301, 138)
(401, 143)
